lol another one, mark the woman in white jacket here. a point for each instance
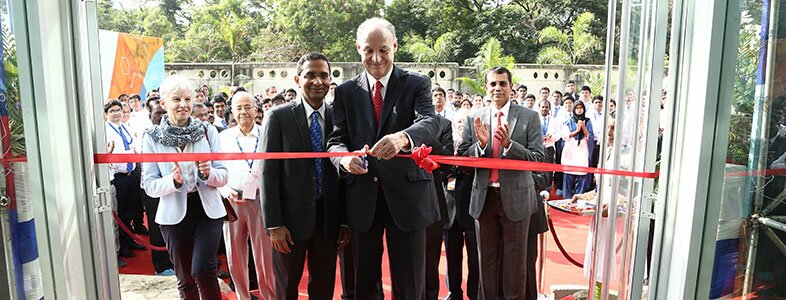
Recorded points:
(190, 210)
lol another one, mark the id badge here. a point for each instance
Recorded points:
(249, 191)
(452, 184)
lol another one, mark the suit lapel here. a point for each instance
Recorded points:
(328, 123)
(391, 96)
(299, 113)
(486, 118)
(513, 118)
(364, 102)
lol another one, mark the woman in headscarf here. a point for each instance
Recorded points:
(578, 137)
(190, 210)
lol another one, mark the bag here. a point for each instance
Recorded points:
(231, 214)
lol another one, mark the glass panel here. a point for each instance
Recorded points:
(749, 254)
(616, 244)
(23, 255)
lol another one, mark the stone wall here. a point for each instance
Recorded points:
(261, 75)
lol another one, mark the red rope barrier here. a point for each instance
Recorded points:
(559, 245)
(134, 236)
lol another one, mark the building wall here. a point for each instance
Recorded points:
(261, 75)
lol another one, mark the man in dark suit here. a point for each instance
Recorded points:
(391, 109)
(460, 231)
(303, 216)
(442, 145)
(503, 201)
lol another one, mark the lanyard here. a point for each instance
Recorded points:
(126, 142)
(249, 162)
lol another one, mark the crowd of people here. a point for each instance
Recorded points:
(293, 213)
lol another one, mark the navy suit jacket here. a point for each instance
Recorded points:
(408, 189)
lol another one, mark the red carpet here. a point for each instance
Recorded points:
(571, 229)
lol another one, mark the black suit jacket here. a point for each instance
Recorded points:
(442, 144)
(288, 185)
(408, 189)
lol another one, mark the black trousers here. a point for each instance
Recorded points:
(321, 255)
(594, 163)
(558, 176)
(160, 259)
(346, 258)
(406, 252)
(433, 255)
(455, 239)
(128, 197)
(532, 259)
(192, 246)
(138, 208)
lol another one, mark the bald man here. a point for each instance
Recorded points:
(389, 110)
(243, 191)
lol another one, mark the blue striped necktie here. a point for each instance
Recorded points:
(316, 146)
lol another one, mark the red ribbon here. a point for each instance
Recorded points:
(420, 155)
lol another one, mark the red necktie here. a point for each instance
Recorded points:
(377, 100)
(496, 150)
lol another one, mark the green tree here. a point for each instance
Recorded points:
(327, 26)
(568, 49)
(490, 55)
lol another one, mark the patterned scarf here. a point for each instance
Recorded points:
(169, 135)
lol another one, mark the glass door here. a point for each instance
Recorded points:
(621, 257)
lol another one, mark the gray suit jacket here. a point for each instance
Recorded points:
(519, 196)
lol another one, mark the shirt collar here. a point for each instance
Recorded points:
(505, 109)
(373, 81)
(310, 110)
(254, 131)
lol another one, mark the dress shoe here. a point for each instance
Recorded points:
(167, 272)
(141, 229)
(223, 274)
(136, 246)
(125, 252)
(121, 263)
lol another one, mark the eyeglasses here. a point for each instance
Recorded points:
(115, 111)
(500, 83)
(245, 108)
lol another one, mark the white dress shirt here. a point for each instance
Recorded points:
(373, 81)
(114, 136)
(243, 175)
(321, 120)
(219, 122)
(446, 113)
(596, 118)
(553, 129)
(492, 122)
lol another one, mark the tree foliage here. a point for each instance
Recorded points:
(489, 56)
(282, 30)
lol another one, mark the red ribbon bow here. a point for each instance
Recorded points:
(420, 156)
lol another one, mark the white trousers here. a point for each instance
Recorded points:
(236, 234)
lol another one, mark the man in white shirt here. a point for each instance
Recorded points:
(596, 117)
(140, 117)
(220, 107)
(242, 189)
(438, 98)
(123, 176)
(549, 128)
